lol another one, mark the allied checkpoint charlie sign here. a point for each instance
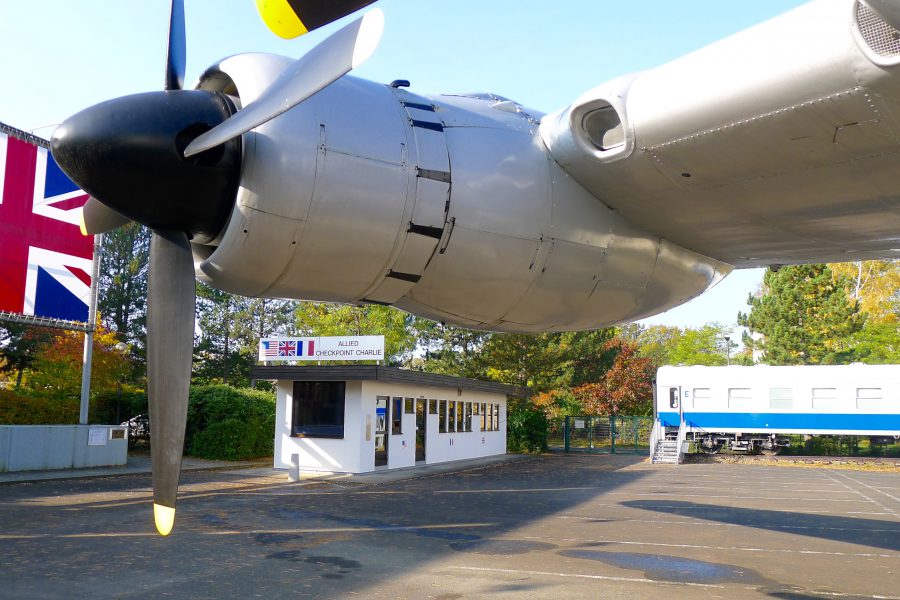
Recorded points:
(365, 347)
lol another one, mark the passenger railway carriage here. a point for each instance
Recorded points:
(755, 408)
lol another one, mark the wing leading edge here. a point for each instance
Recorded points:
(780, 144)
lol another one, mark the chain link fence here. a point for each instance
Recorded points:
(604, 434)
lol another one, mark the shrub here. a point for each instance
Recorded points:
(230, 423)
(230, 439)
(114, 407)
(17, 408)
(526, 427)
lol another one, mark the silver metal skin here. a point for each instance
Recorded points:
(777, 145)
(447, 207)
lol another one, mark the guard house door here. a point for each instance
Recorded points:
(420, 430)
(381, 421)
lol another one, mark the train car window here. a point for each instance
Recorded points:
(673, 397)
(740, 398)
(825, 399)
(781, 397)
(868, 398)
(703, 398)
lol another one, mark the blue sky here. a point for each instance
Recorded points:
(59, 56)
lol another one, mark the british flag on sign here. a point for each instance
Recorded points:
(45, 262)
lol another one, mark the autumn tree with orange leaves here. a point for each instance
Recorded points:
(625, 389)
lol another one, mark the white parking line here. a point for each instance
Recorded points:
(587, 576)
(880, 505)
(728, 548)
(794, 499)
(696, 522)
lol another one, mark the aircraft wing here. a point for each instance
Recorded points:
(780, 144)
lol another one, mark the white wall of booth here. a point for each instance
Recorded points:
(357, 419)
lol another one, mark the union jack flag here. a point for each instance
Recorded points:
(45, 262)
(287, 348)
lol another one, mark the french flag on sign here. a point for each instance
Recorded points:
(45, 262)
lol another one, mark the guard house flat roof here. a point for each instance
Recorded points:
(379, 373)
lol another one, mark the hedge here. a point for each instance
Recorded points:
(526, 427)
(229, 423)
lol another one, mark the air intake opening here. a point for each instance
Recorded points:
(878, 35)
(604, 128)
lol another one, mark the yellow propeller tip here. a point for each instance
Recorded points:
(164, 517)
(81, 224)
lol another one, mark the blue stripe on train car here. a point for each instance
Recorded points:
(782, 421)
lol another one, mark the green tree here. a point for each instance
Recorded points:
(804, 316)
(705, 345)
(20, 346)
(122, 292)
(875, 284)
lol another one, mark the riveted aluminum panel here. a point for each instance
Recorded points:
(563, 284)
(349, 236)
(390, 290)
(495, 270)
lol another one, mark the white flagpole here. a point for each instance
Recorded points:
(89, 334)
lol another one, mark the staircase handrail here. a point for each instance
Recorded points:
(655, 435)
(682, 436)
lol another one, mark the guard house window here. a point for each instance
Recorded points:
(432, 407)
(468, 416)
(460, 416)
(451, 416)
(318, 409)
(410, 407)
(484, 426)
(442, 418)
(496, 417)
(397, 416)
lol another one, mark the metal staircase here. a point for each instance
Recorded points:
(666, 451)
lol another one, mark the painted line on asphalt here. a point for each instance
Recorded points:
(875, 502)
(693, 523)
(307, 530)
(587, 576)
(729, 548)
(676, 495)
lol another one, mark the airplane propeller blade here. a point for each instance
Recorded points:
(96, 218)
(170, 341)
(176, 57)
(333, 58)
(292, 18)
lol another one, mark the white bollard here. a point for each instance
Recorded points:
(294, 471)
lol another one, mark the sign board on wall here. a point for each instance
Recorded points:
(45, 262)
(363, 347)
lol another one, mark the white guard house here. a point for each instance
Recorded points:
(359, 418)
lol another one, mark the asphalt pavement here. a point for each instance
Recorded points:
(551, 526)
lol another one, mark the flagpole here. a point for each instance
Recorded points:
(89, 334)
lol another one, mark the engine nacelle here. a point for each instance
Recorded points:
(448, 207)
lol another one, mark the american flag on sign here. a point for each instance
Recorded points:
(287, 348)
(268, 348)
(45, 262)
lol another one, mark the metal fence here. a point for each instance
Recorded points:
(606, 434)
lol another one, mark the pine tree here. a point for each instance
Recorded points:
(804, 315)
